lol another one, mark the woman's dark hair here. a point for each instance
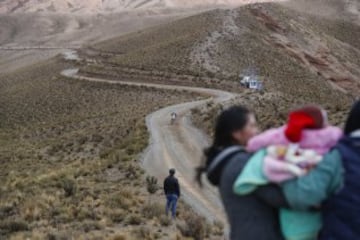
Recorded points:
(229, 120)
(353, 121)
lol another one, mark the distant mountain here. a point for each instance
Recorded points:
(11, 6)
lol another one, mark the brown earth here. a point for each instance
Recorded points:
(61, 137)
(71, 164)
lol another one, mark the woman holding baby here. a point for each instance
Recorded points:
(300, 181)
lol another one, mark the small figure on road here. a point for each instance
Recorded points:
(173, 117)
(172, 192)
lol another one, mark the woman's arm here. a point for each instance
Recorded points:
(272, 195)
(312, 189)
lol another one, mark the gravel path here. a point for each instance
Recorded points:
(177, 146)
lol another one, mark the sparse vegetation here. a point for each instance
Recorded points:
(163, 48)
(72, 147)
(194, 226)
(160, 54)
(271, 110)
(152, 184)
(294, 58)
(153, 210)
(133, 219)
(165, 221)
(7, 227)
(69, 149)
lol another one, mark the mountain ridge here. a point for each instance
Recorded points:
(94, 6)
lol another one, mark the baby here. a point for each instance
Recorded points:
(292, 150)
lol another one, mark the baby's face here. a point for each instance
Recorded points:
(277, 151)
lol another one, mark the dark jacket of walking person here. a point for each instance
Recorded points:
(339, 170)
(172, 192)
(254, 216)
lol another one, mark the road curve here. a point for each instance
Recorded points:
(177, 146)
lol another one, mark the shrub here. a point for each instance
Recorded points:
(56, 236)
(97, 138)
(88, 226)
(194, 226)
(119, 200)
(131, 172)
(157, 235)
(69, 187)
(7, 227)
(218, 228)
(133, 219)
(119, 237)
(117, 216)
(142, 233)
(32, 212)
(165, 221)
(151, 185)
(6, 211)
(153, 210)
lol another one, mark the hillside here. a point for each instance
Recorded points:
(76, 6)
(302, 57)
(70, 149)
(70, 160)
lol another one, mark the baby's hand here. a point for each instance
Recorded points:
(303, 157)
(311, 157)
(296, 170)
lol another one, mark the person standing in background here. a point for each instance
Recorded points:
(172, 192)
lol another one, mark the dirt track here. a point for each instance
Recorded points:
(179, 145)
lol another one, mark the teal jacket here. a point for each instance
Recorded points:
(314, 188)
(302, 193)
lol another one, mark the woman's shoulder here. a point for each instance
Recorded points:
(236, 164)
(334, 156)
(242, 156)
(218, 165)
(331, 160)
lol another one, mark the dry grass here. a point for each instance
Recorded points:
(160, 54)
(299, 56)
(165, 47)
(274, 41)
(194, 227)
(271, 110)
(69, 154)
(68, 148)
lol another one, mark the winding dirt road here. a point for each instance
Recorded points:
(177, 146)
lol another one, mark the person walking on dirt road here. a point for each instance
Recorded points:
(173, 118)
(172, 192)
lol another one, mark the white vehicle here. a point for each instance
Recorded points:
(251, 82)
